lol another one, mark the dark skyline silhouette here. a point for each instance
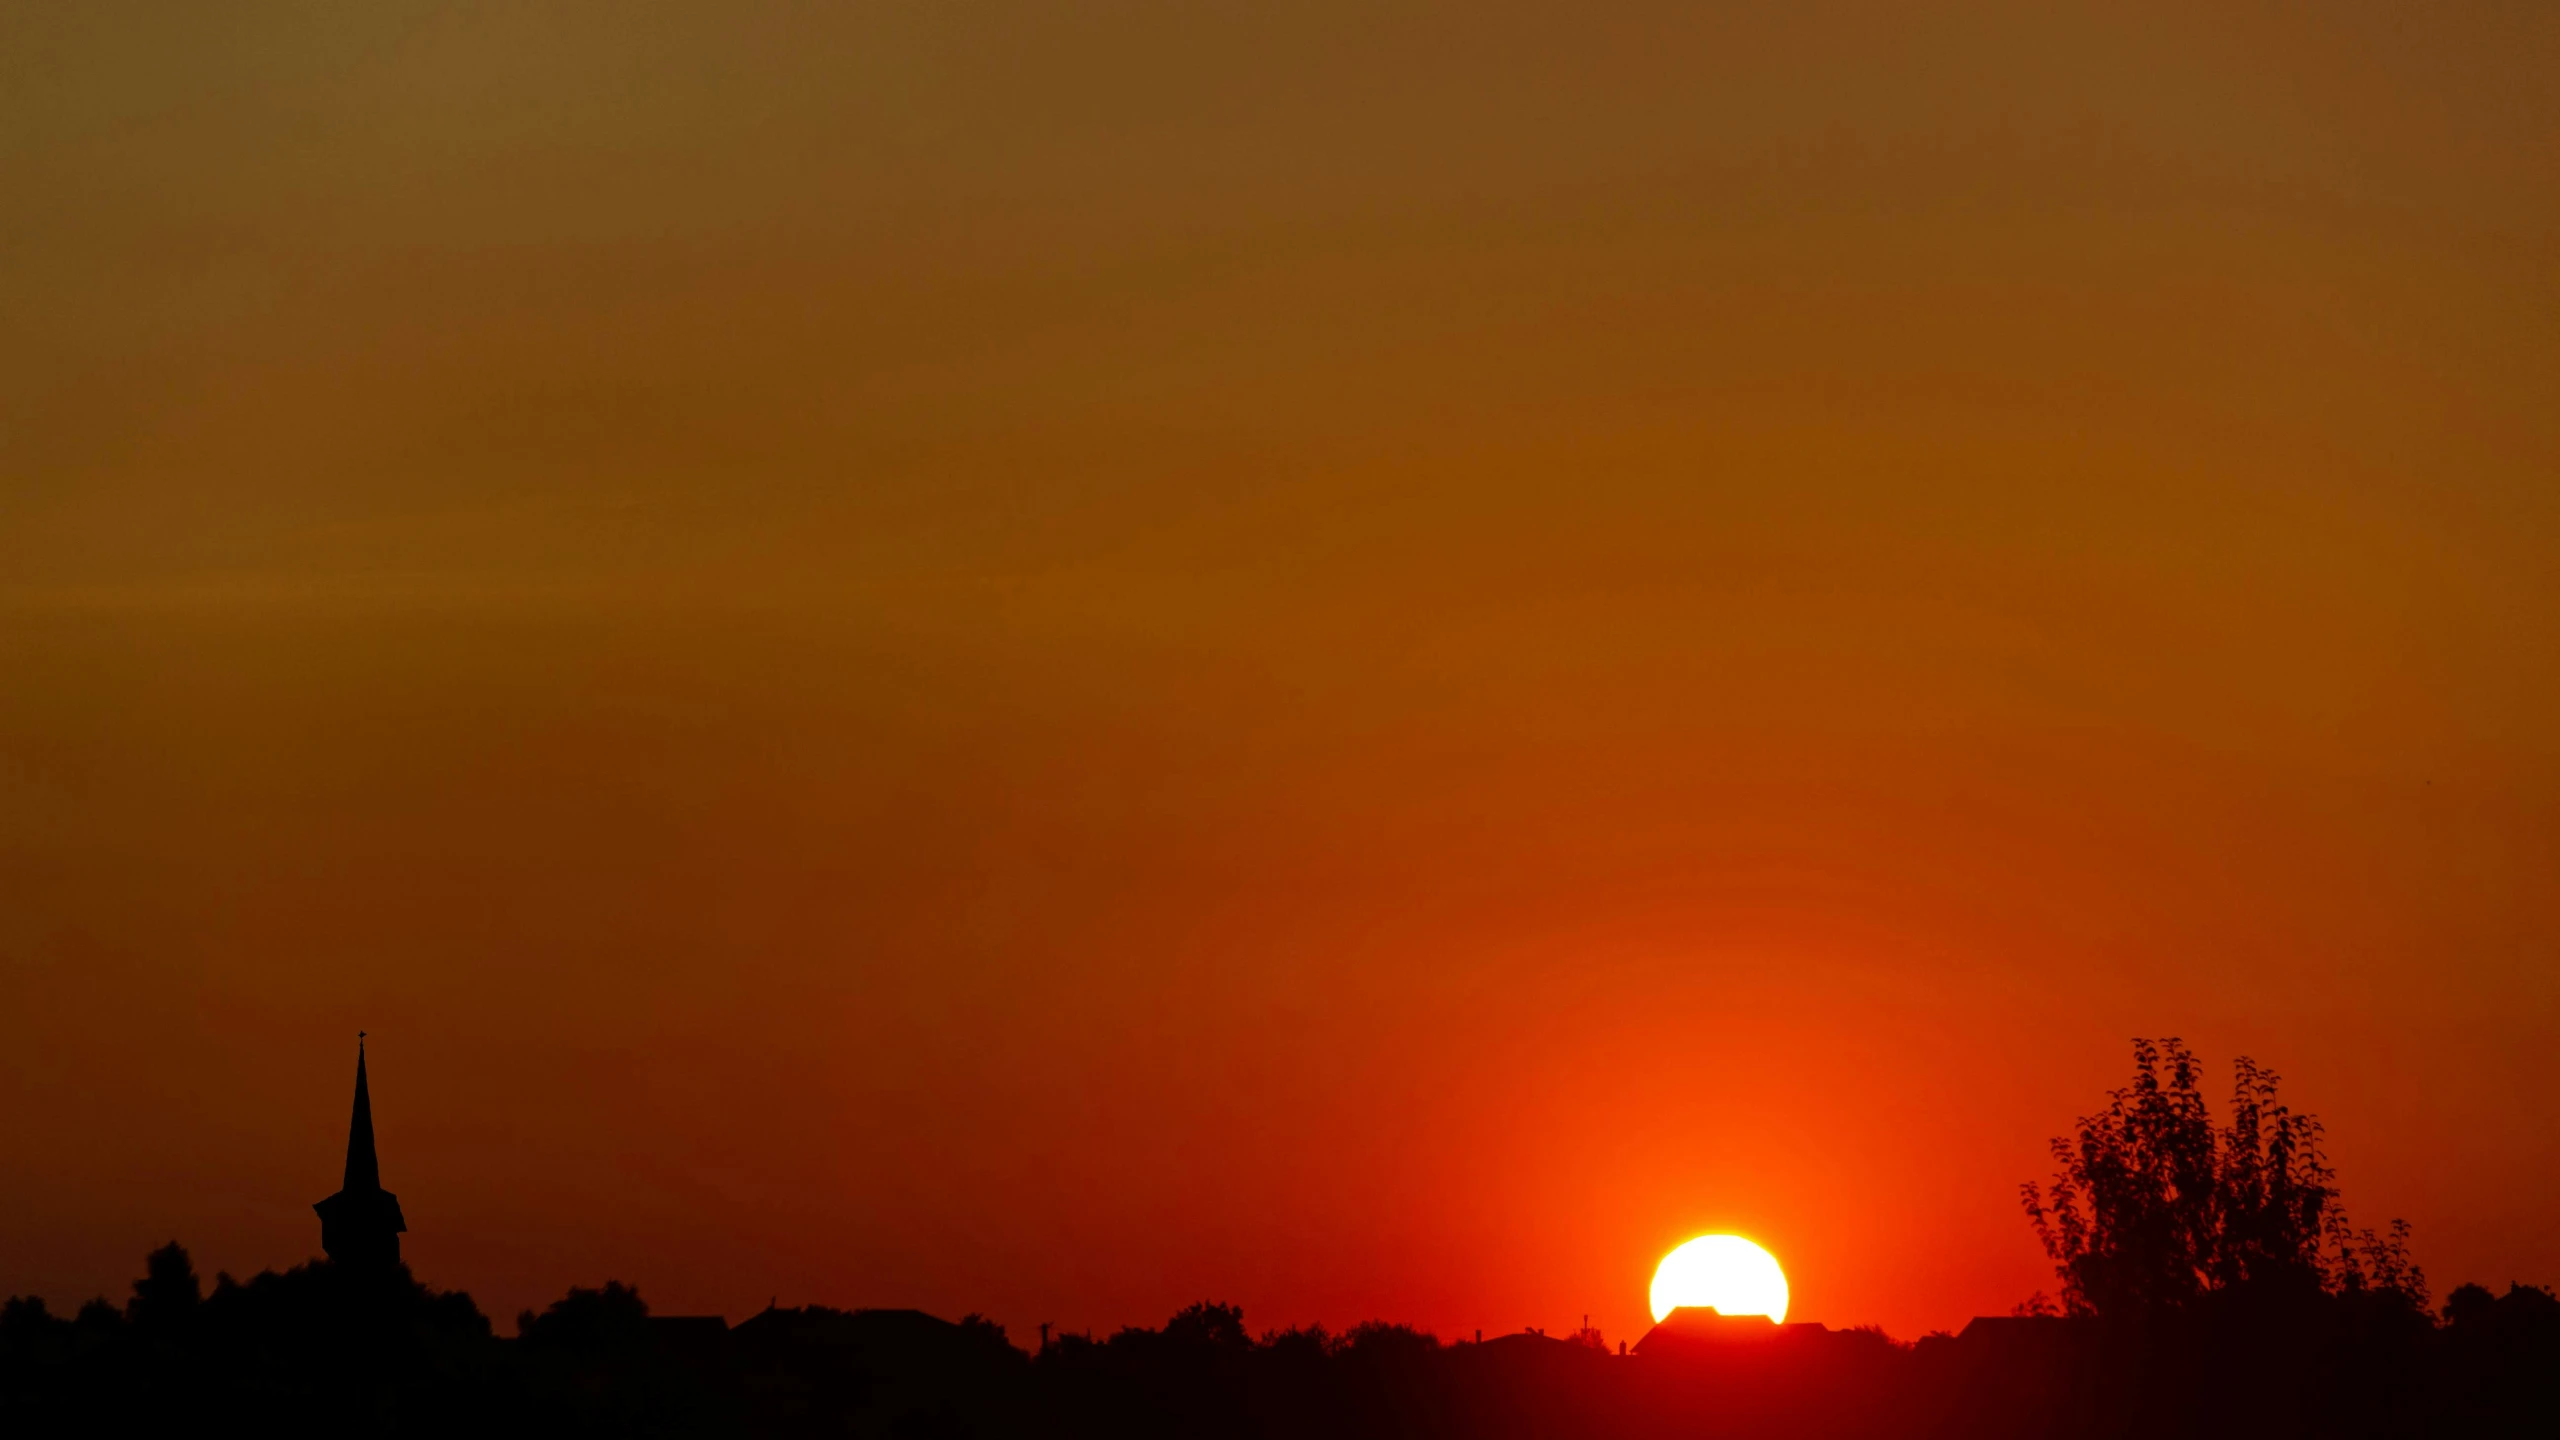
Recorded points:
(2187, 1313)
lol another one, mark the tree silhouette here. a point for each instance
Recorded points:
(1208, 1323)
(168, 1292)
(2154, 1207)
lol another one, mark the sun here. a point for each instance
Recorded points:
(1725, 1272)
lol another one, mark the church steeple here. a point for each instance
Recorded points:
(364, 1170)
(360, 1226)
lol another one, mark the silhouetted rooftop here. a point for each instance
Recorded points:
(1693, 1325)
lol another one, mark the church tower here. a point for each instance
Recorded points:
(360, 1225)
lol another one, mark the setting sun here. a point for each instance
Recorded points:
(1725, 1273)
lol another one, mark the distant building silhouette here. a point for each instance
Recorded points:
(360, 1226)
(1690, 1326)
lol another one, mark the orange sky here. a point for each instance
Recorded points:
(1367, 659)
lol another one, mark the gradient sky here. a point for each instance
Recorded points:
(1370, 659)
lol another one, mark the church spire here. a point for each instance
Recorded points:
(360, 1226)
(364, 1171)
